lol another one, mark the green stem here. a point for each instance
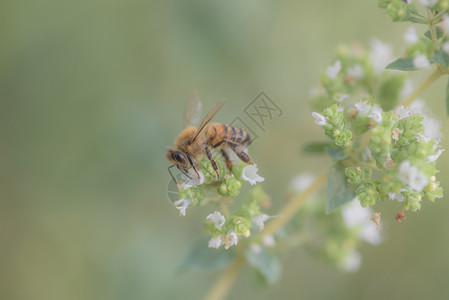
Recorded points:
(431, 25)
(418, 91)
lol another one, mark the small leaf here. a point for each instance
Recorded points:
(336, 153)
(416, 20)
(266, 264)
(315, 147)
(403, 64)
(201, 257)
(438, 31)
(338, 191)
(447, 98)
(442, 58)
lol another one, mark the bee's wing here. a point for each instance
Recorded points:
(192, 111)
(212, 112)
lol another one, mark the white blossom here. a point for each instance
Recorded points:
(381, 55)
(396, 196)
(268, 240)
(428, 3)
(193, 181)
(421, 61)
(411, 176)
(434, 157)
(255, 248)
(332, 71)
(182, 205)
(217, 218)
(215, 243)
(401, 112)
(319, 119)
(260, 220)
(301, 182)
(230, 239)
(445, 47)
(353, 261)
(341, 97)
(431, 125)
(446, 23)
(249, 174)
(354, 215)
(376, 114)
(395, 134)
(355, 71)
(363, 108)
(411, 36)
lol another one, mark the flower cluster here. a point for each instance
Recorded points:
(225, 228)
(387, 151)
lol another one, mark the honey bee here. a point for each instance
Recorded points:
(192, 143)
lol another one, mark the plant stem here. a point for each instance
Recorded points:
(431, 25)
(221, 287)
(431, 79)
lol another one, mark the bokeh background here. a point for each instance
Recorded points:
(92, 93)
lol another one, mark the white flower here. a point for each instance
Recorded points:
(395, 134)
(230, 239)
(249, 174)
(396, 196)
(217, 218)
(353, 261)
(363, 108)
(446, 23)
(182, 204)
(411, 176)
(421, 61)
(259, 221)
(401, 112)
(332, 71)
(255, 248)
(431, 125)
(319, 119)
(215, 243)
(193, 181)
(434, 157)
(268, 240)
(445, 47)
(376, 114)
(341, 97)
(354, 215)
(355, 71)
(302, 182)
(410, 35)
(381, 55)
(428, 3)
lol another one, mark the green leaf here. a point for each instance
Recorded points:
(315, 147)
(442, 58)
(201, 257)
(403, 64)
(438, 31)
(416, 20)
(266, 264)
(447, 98)
(336, 153)
(338, 191)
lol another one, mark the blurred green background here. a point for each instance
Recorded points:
(92, 93)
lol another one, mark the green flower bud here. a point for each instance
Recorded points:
(380, 143)
(433, 191)
(396, 9)
(230, 186)
(355, 175)
(343, 139)
(367, 194)
(240, 225)
(335, 117)
(412, 201)
(194, 194)
(410, 128)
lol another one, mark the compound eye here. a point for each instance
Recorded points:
(178, 157)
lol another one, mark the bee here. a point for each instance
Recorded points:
(192, 143)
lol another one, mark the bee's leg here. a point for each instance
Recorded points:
(237, 149)
(193, 166)
(228, 161)
(212, 161)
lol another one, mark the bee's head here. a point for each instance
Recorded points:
(178, 158)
